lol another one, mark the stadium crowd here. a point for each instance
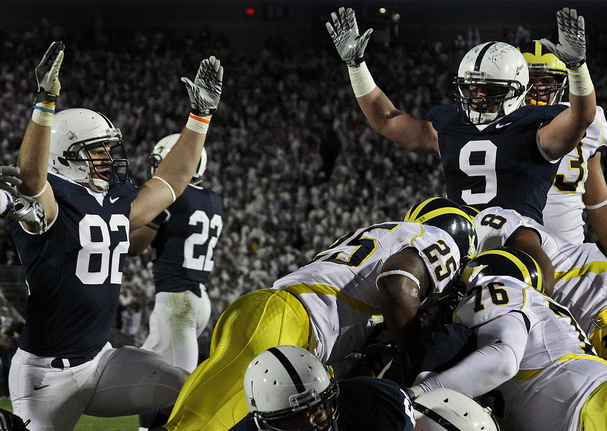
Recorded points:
(292, 156)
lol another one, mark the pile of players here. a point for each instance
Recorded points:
(468, 300)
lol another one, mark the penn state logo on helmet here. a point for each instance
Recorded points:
(491, 82)
(450, 217)
(507, 261)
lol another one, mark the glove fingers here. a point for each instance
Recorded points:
(548, 45)
(8, 188)
(331, 31)
(9, 170)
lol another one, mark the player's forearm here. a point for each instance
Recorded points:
(33, 158)
(179, 165)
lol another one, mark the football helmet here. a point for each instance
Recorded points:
(450, 217)
(283, 382)
(491, 82)
(447, 410)
(87, 148)
(508, 261)
(548, 74)
(162, 148)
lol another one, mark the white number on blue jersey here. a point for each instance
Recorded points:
(109, 259)
(203, 262)
(487, 170)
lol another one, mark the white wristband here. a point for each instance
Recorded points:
(43, 117)
(198, 124)
(580, 83)
(596, 206)
(361, 79)
(168, 185)
(399, 272)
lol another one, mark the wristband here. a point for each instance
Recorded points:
(410, 276)
(361, 79)
(198, 124)
(168, 185)
(596, 206)
(43, 113)
(580, 83)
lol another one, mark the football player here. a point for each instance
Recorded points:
(530, 349)
(286, 388)
(330, 307)
(579, 183)
(182, 238)
(578, 271)
(494, 150)
(73, 164)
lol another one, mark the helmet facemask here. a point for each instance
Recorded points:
(545, 87)
(491, 82)
(547, 73)
(483, 100)
(309, 403)
(105, 162)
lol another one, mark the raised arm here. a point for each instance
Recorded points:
(33, 155)
(178, 167)
(563, 133)
(407, 131)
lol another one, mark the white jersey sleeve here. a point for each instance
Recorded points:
(495, 226)
(564, 207)
(338, 287)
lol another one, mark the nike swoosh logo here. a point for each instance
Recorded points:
(499, 126)
(112, 200)
(37, 388)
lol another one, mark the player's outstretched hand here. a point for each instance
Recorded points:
(205, 91)
(47, 74)
(344, 32)
(8, 179)
(571, 47)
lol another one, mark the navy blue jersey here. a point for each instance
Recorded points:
(188, 232)
(500, 165)
(364, 404)
(74, 270)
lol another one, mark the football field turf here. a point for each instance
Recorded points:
(90, 423)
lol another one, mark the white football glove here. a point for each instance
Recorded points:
(205, 91)
(47, 74)
(571, 48)
(344, 32)
(16, 206)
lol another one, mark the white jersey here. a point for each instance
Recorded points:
(580, 270)
(558, 369)
(564, 207)
(338, 287)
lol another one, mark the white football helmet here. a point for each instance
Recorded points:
(285, 381)
(78, 133)
(491, 82)
(448, 410)
(162, 148)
